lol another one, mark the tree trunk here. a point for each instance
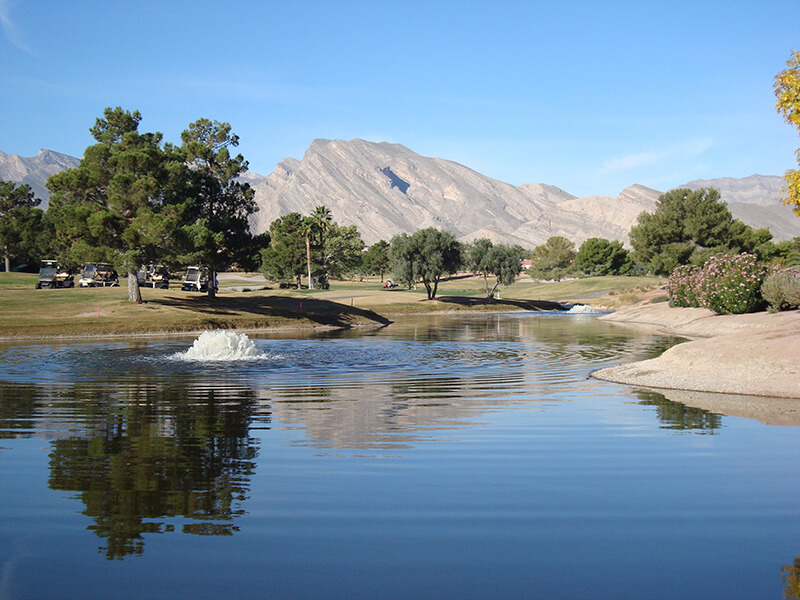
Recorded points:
(8, 263)
(308, 260)
(134, 293)
(485, 283)
(212, 289)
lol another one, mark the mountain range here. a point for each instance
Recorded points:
(385, 189)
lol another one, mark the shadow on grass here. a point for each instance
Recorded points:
(323, 312)
(532, 305)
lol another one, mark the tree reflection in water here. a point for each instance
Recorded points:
(149, 453)
(674, 415)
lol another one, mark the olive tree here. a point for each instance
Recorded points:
(505, 263)
(426, 255)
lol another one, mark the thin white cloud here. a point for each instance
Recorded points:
(10, 30)
(628, 162)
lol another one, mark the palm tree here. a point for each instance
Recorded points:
(307, 228)
(320, 219)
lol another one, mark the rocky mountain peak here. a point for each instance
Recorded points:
(385, 189)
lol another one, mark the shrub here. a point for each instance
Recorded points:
(727, 284)
(681, 285)
(781, 289)
(731, 284)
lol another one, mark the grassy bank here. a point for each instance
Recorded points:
(27, 312)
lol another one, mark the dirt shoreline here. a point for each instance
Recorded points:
(743, 355)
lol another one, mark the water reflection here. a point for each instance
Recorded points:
(173, 447)
(383, 412)
(674, 415)
(140, 454)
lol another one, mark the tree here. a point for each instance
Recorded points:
(307, 229)
(504, 262)
(218, 216)
(284, 259)
(428, 254)
(599, 256)
(314, 227)
(376, 259)
(177, 452)
(686, 224)
(403, 258)
(20, 223)
(342, 251)
(787, 91)
(553, 258)
(475, 256)
(122, 204)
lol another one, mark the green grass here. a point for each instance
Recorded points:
(9, 281)
(25, 311)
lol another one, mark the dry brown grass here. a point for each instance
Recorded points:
(27, 312)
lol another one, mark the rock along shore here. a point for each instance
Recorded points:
(754, 354)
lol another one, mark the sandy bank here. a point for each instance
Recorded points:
(755, 354)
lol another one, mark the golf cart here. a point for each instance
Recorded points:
(51, 276)
(196, 280)
(98, 275)
(154, 276)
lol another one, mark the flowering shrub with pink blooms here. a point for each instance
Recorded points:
(726, 283)
(681, 286)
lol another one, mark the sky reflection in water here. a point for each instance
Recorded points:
(447, 457)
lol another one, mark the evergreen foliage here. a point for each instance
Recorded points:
(284, 260)
(342, 251)
(217, 229)
(427, 255)
(689, 226)
(553, 259)
(599, 256)
(123, 203)
(375, 260)
(20, 225)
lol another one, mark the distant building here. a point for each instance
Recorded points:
(527, 263)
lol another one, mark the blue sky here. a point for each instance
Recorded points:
(588, 96)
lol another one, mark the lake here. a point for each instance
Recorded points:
(463, 456)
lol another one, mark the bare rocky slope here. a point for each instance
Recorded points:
(386, 189)
(35, 170)
(756, 200)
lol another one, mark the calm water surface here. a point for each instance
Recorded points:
(446, 457)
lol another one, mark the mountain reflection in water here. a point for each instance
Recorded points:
(476, 439)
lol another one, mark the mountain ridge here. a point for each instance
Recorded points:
(35, 170)
(385, 188)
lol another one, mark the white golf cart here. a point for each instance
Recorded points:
(196, 280)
